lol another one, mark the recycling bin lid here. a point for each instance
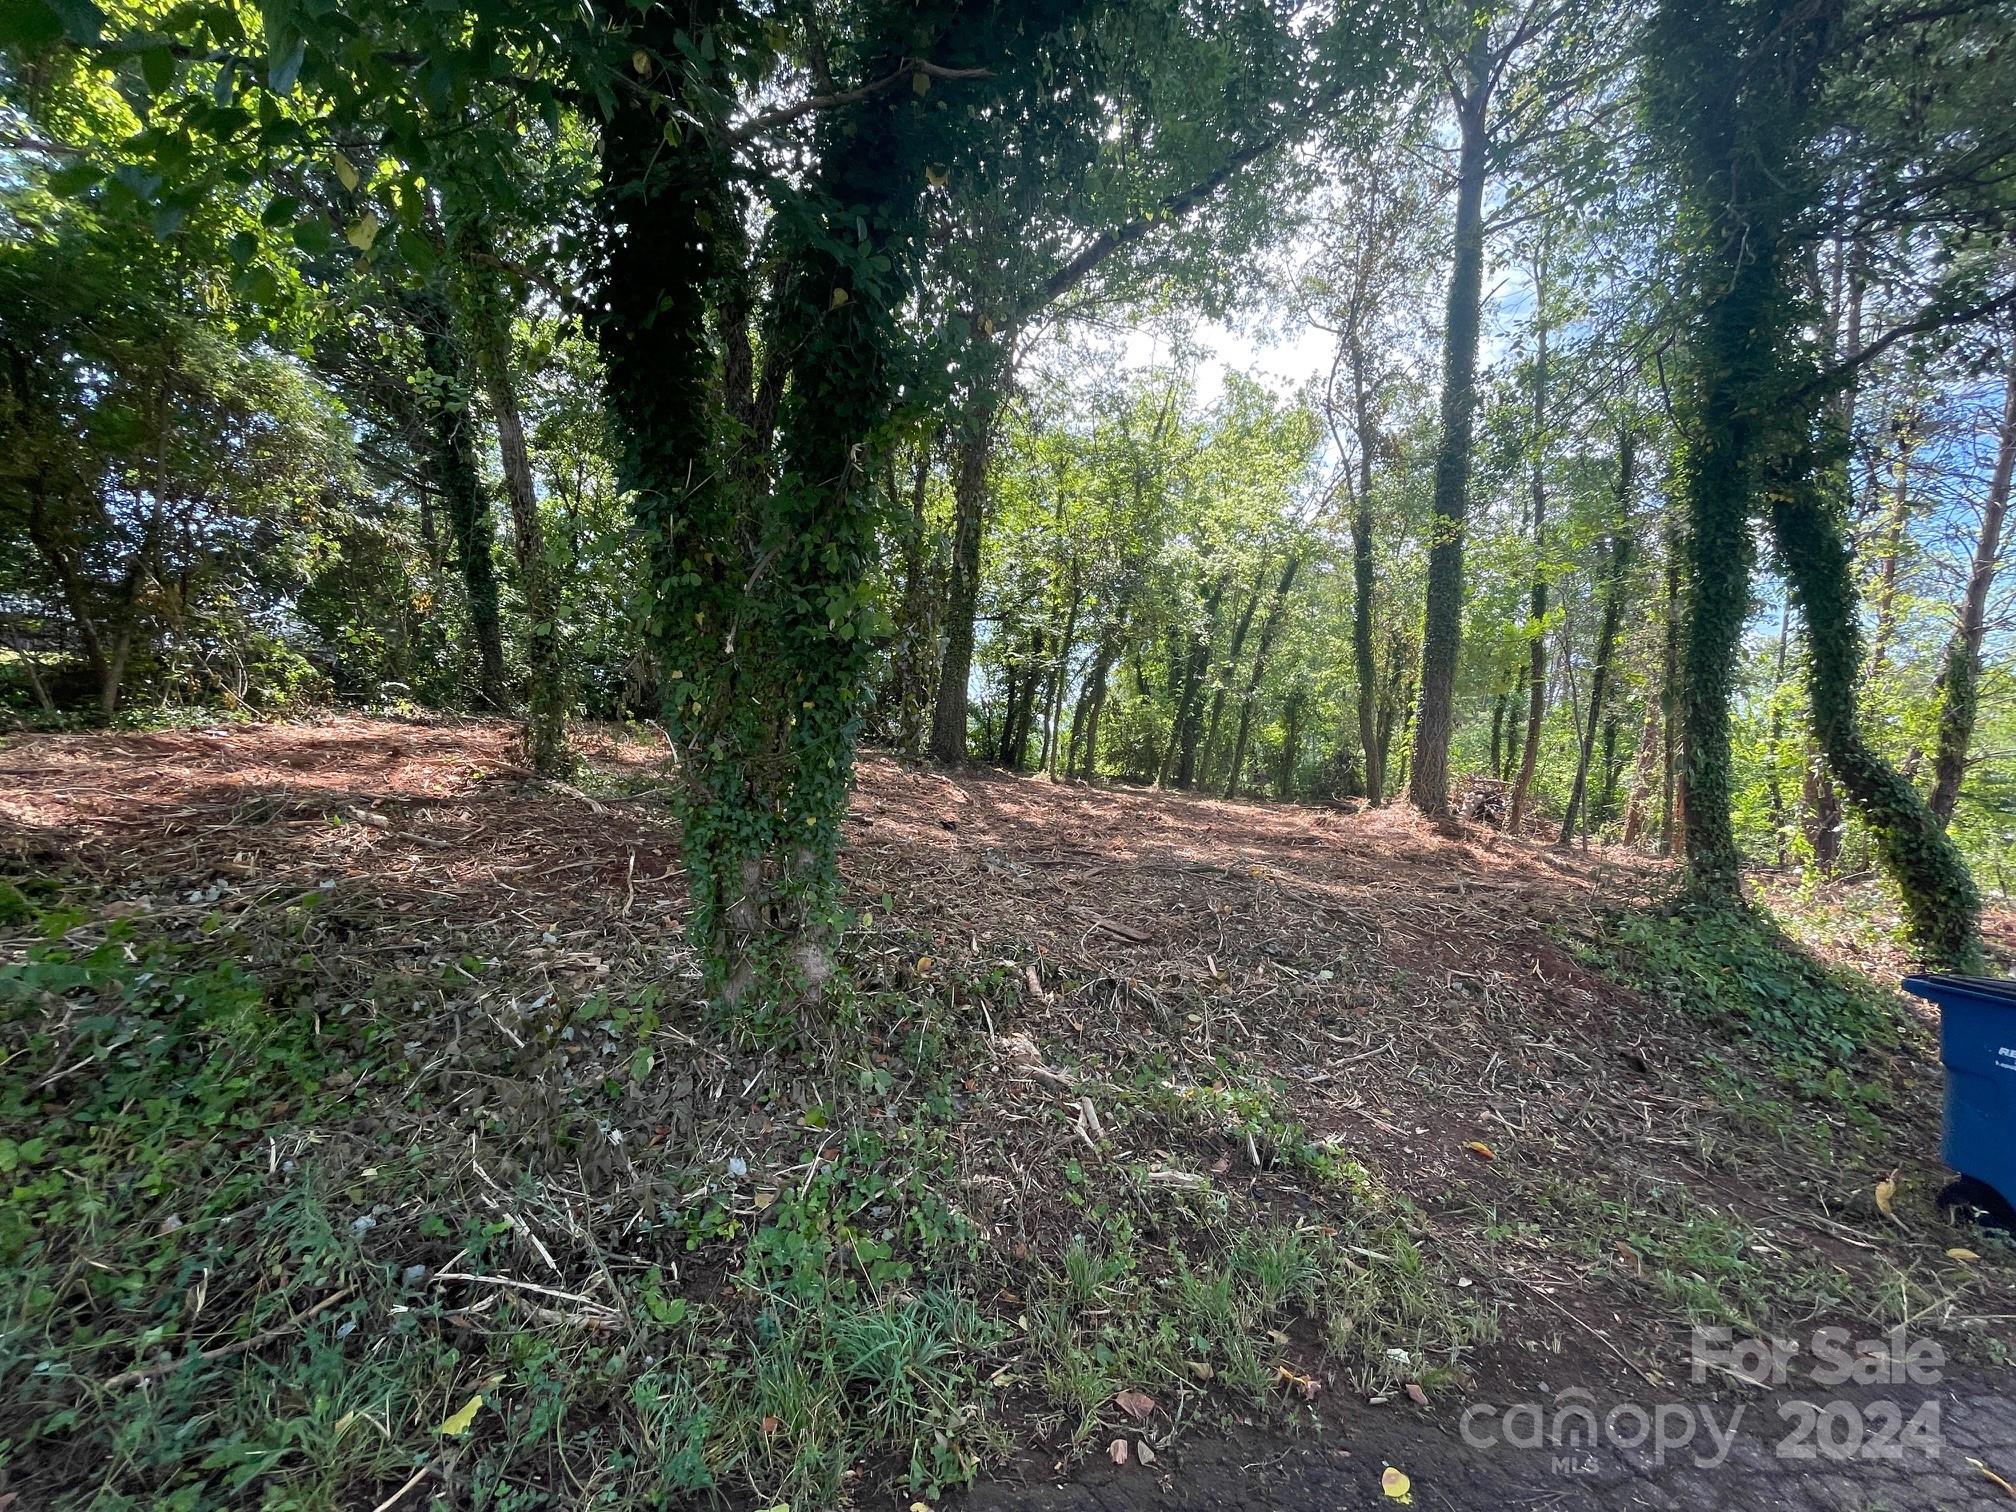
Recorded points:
(1935, 985)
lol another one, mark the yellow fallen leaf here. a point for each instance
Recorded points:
(1886, 1194)
(1481, 1150)
(1308, 1386)
(1396, 1486)
(923, 963)
(920, 1507)
(1965, 1255)
(460, 1423)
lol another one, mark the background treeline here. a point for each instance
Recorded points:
(759, 372)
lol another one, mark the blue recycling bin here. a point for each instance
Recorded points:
(1977, 1046)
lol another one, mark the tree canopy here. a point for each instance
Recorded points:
(774, 375)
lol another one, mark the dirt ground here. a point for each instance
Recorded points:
(1432, 1000)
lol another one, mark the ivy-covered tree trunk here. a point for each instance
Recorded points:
(1735, 151)
(1180, 756)
(660, 204)
(1227, 671)
(969, 518)
(1428, 783)
(1941, 905)
(1093, 701)
(1251, 697)
(1291, 744)
(451, 461)
(486, 318)
(1960, 677)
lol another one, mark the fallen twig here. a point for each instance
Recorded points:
(225, 1351)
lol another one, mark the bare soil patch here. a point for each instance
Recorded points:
(1166, 1021)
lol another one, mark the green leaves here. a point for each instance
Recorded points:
(32, 25)
(157, 66)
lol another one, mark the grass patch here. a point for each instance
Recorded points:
(265, 1197)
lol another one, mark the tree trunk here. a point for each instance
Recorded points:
(760, 616)
(487, 320)
(1443, 626)
(1672, 796)
(1393, 698)
(1773, 759)
(1515, 727)
(969, 523)
(1606, 635)
(1959, 679)
(1102, 669)
(1291, 746)
(1023, 673)
(1746, 176)
(1895, 521)
(1940, 901)
(1821, 815)
(1228, 671)
(64, 569)
(1268, 631)
(1639, 798)
(451, 458)
(1364, 574)
(1606, 796)
(915, 634)
(1183, 733)
(1536, 630)
(1061, 670)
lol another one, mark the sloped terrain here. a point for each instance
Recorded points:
(1151, 1116)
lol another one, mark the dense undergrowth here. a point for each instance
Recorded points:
(243, 1261)
(1734, 967)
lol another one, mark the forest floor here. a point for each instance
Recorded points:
(368, 1146)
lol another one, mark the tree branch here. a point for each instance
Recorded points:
(783, 115)
(1832, 377)
(1106, 243)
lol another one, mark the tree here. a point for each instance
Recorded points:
(1760, 434)
(1617, 553)
(1103, 208)
(1362, 288)
(1960, 676)
(1508, 78)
